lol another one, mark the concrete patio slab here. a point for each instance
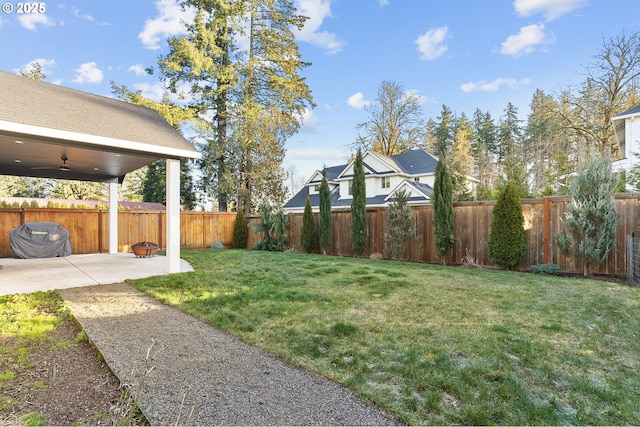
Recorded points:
(43, 274)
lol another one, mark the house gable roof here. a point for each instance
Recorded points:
(418, 192)
(332, 174)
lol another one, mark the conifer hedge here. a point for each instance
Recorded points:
(308, 231)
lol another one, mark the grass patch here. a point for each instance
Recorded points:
(432, 344)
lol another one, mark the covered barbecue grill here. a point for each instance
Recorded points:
(40, 240)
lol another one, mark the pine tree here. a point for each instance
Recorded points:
(325, 214)
(308, 231)
(507, 238)
(358, 207)
(401, 228)
(443, 211)
(588, 231)
(240, 232)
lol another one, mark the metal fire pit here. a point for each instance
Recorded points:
(145, 249)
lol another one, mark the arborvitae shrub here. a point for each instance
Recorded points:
(240, 232)
(325, 214)
(507, 239)
(443, 210)
(34, 204)
(358, 207)
(25, 204)
(401, 228)
(308, 231)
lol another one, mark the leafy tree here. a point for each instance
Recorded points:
(395, 123)
(588, 231)
(273, 228)
(443, 210)
(507, 238)
(325, 214)
(401, 227)
(240, 232)
(358, 207)
(609, 88)
(308, 231)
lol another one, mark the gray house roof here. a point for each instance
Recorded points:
(102, 138)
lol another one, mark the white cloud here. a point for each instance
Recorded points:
(138, 70)
(431, 44)
(316, 11)
(309, 122)
(169, 22)
(32, 20)
(551, 9)
(357, 101)
(45, 65)
(384, 2)
(526, 40)
(495, 85)
(77, 14)
(88, 73)
(414, 94)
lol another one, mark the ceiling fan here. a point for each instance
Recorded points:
(64, 167)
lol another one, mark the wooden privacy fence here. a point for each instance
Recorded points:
(472, 222)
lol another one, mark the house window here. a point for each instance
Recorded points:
(351, 188)
(316, 188)
(386, 182)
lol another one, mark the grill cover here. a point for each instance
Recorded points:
(40, 240)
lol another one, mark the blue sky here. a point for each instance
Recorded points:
(466, 54)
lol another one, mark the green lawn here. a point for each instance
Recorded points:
(433, 344)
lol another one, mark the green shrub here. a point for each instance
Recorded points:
(589, 229)
(401, 228)
(443, 210)
(273, 227)
(552, 269)
(507, 238)
(34, 204)
(308, 231)
(240, 232)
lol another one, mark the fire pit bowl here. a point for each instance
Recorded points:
(145, 249)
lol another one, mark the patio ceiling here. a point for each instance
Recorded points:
(24, 155)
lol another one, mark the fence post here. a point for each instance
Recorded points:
(546, 228)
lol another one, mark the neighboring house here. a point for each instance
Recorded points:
(627, 129)
(412, 171)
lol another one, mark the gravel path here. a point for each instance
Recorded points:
(201, 375)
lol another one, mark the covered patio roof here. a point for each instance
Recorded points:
(50, 131)
(102, 139)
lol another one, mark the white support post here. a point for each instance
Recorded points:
(173, 216)
(113, 218)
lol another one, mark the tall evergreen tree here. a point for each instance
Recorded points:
(483, 148)
(443, 211)
(445, 131)
(325, 214)
(358, 207)
(588, 231)
(507, 238)
(308, 230)
(202, 59)
(273, 97)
